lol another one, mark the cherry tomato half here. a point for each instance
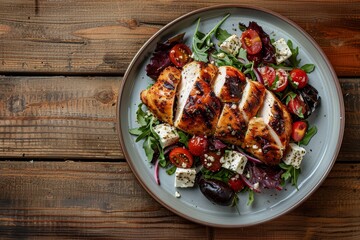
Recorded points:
(267, 74)
(297, 106)
(211, 160)
(180, 54)
(251, 41)
(236, 183)
(181, 157)
(198, 145)
(298, 78)
(299, 129)
(275, 80)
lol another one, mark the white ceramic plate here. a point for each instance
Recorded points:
(322, 150)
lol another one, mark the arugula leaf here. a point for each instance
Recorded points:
(273, 85)
(308, 68)
(251, 197)
(222, 34)
(222, 175)
(171, 170)
(242, 27)
(308, 135)
(183, 137)
(295, 52)
(146, 131)
(141, 115)
(289, 96)
(291, 173)
(243, 55)
(202, 43)
(148, 147)
(221, 58)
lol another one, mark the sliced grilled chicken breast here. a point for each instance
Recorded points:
(160, 97)
(231, 126)
(229, 84)
(268, 134)
(252, 99)
(234, 118)
(275, 114)
(260, 142)
(198, 108)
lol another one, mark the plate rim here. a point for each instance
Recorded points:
(213, 8)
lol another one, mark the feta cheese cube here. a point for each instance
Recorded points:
(283, 51)
(231, 45)
(167, 134)
(185, 177)
(294, 155)
(234, 161)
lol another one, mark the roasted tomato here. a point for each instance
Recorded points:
(198, 145)
(297, 106)
(298, 78)
(236, 183)
(180, 54)
(275, 80)
(299, 129)
(211, 160)
(251, 41)
(181, 157)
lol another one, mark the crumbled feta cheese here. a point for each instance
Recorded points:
(294, 155)
(231, 45)
(185, 177)
(177, 194)
(167, 134)
(234, 161)
(283, 51)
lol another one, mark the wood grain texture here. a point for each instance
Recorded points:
(93, 37)
(90, 200)
(59, 117)
(75, 117)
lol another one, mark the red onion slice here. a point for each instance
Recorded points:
(156, 171)
(258, 76)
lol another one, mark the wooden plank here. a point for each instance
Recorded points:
(104, 200)
(103, 36)
(75, 117)
(89, 200)
(59, 117)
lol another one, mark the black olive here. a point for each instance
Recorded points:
(311, 97)
(217, 191)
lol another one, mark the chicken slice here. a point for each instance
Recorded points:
(234, 118)
(260, 142)
(229, 84)
(160, 97)
(198, 108)
(252, 99)
(231, 126)
(276, 115)
(268, 134)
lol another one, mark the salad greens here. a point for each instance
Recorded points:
(146, 132)
(205, 49)
(291, 174)
(202, 43)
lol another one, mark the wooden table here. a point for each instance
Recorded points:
(62, 172)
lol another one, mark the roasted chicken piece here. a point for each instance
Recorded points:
(160, 97)
(198, 108)
(231, 126)
(261, 142)
(268, 134)
(252, 99)
(229, 84)
(234, 118)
